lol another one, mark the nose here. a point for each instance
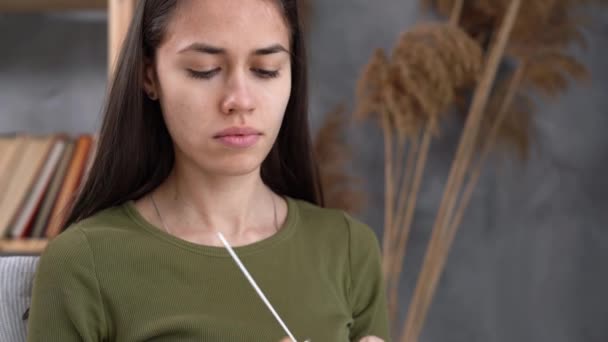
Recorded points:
(237, 98)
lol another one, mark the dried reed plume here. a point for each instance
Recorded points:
(430, 69)
(333, 154)
(443, 231)
(539, 36)
(535, 39)
(408, 94)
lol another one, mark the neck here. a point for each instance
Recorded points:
(237, 206)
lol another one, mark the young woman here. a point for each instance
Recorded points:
(206, 131)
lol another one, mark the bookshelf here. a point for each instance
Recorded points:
(119, 15)
(22, 247)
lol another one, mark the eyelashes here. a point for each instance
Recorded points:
(267, 73)
(208, 74)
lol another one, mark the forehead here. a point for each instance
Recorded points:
(231, 24)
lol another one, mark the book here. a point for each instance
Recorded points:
(43, 215)
(7, 143)
(25, 217)
(92, 155)
(24, 176)
(11, 151)
(70, 185)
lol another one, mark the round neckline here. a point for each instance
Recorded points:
(287, 229)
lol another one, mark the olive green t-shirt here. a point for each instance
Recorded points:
(116, 277)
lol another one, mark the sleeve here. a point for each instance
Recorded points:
(66, 298)
(367, 293)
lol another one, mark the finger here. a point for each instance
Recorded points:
(371, 339)
(286, 339)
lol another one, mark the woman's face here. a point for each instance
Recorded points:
(223, 78)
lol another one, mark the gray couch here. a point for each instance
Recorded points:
(16, 276)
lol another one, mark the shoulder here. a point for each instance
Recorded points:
(79, 238)
(66, 257)
(110, 219)
(69, 245)
(335, 225)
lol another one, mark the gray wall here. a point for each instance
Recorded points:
(527, 264)
(52, 72)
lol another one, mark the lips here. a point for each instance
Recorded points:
(238, 137)
(237, 131)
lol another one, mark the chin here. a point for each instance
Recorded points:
(235, 167)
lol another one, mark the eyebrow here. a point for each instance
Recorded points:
(213, 50)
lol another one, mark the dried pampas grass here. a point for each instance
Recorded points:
(541, 33)
(418, 83)
(340, 189)
(409, 92)
(535, 38)
(436, 66)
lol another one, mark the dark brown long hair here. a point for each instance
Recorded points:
(135, 151)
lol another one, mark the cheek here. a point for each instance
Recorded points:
(182, 101)
(184, 115)
(279, 99)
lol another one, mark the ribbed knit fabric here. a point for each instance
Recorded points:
(16, 274)
(116, 277)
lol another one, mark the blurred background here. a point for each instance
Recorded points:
(528, 262)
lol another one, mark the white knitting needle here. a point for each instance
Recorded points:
(255, 286)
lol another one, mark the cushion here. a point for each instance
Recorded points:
(16, 277)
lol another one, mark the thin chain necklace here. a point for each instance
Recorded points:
(274, 208)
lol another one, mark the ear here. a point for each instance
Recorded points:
(150, 80)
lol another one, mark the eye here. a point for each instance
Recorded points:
(266, 73)
(207, 74)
